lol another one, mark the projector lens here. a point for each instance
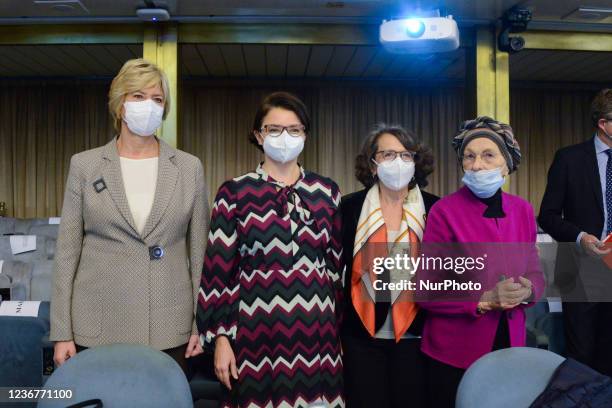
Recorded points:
(415, 28)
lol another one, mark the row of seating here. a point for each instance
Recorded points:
(27, 280)
(29, 275)
(46, 227)
(26, 353)
(134, 375)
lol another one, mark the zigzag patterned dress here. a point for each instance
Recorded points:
(271, 283)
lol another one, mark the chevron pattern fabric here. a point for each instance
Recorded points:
(272, 283)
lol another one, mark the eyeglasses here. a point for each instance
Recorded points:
(390, 155)
(276, 130)
(487, 157)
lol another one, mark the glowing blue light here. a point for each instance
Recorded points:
(154, 18)
(415, 27)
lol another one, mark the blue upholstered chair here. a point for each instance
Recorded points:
(121, 375)
(21, 349)
(508, 378)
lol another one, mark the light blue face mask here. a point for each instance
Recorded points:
(484, 183)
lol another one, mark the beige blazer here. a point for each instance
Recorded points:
(109, 284)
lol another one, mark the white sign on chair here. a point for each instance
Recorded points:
(19, 308)
(22, 243)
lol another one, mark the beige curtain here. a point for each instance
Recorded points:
(217, 119)
(544, 120)
(42, 124)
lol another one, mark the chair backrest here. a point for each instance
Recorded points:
(24, 225)
(7, 225)
(41, 283)
(45, 249)
(6, 284)
(508, 378)
(21, 348)
(46, 230)
(122, 375)
(20, 274)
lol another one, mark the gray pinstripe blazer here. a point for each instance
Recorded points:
(106, 286)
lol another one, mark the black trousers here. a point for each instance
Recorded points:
(588, 334)
(443, 380)
(383, 374)
(177, 353)
(442, 383)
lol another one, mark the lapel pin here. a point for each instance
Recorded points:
(99, 185)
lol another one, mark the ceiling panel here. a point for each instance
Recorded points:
(65, 60)
(86, 65)
(254, 55)
(360, 61)
(320, 57)
(18, 62)
(120, 52)
(297, 60)
(340, 59)
(373, 11)
(213, 59)
(191, 62)
(234, 59)
(601, 72)
(439, 67)
(276, 60)
(563, 66)
(535, 61)
(378, 64)
(456, 70)
(399, 65)
(43, 60)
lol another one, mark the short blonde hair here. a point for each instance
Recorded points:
(135, 74)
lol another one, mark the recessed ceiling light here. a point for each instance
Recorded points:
(588, 13)
(63, 8)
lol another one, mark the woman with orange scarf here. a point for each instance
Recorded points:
(383, 364)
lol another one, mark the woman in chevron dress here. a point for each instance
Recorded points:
(269, 296)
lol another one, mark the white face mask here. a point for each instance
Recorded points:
(143, 117)
(284, 147)
(395, 174)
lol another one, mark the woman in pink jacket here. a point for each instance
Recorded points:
(503, 226)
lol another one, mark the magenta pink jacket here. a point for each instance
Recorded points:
(454, 332)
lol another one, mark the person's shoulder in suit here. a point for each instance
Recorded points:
(429, 200)
(568, 152)
(356, 199)
(353, 200)
(88, 157)
(86, 164)
(187, 158)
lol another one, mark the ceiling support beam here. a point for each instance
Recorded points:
(161, 48)
(492, 84)
(567, 41)
(71, 34)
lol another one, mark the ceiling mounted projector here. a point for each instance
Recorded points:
(420, 35)
(153, 14)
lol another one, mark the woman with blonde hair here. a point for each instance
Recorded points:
(132, 235)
